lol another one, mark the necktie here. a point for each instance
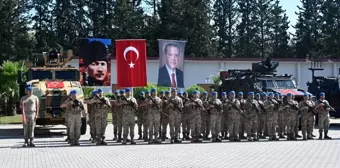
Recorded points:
(173, 81)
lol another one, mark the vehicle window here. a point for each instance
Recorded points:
(258, 84)
(270, 84)
(41, 75)
(66, 75)
(288, 84)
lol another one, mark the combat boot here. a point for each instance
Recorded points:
(115, 137)
(103, 142)
(133, 142)
(298, 136)
(218, 140)
(249, 139)
(289, 135)
(140, 137)
(31, 143)
(309, 137)
(177, 140)
(26, 143)
(320, 135)
(281, 136)
(237, 139)
(293, 137)
(124, 141)
(326, 136)
(119, 138)
(304, 136)
(313, 135)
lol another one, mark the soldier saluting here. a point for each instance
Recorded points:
(75, 109)
(323, 108)
(175, 105)
(216, 109)
(30, 104)
(155, 110)
(234, 112)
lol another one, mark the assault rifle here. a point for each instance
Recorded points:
(311, 109)
(103, 101)
(254, 106)
(176, 106)
(277, 104)
(132, 104)
(291, 105)
(326, 105)
(261, 106)
(76, 103)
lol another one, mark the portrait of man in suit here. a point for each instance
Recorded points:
(170, 75)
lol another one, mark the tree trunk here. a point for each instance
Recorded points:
(11, 107)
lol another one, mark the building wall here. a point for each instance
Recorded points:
(197, 71)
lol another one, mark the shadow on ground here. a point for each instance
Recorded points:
(39, 132)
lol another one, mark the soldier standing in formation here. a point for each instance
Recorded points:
(271, 106)
(154, 118)
(175, 105)
(140, 117)
(216, 109)
(242, 117)
(233, 112)
(165, 115)
(224, 117)
(323, 109)
(205, 117)
(75, 111)
(307, 117)
(197, 108)
(114, 110)
(186, 117)
(31, 106)
(251, 108)
(92, 121)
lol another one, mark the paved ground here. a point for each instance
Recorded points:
(52, 151)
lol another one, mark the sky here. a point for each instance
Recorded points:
(291, 7)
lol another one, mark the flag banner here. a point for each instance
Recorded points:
(171, 63)
(95, 62)
(131, 63)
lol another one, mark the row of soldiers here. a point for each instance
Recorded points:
(257, 115)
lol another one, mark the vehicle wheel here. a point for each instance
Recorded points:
(83, 126)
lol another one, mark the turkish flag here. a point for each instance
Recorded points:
(131, 63)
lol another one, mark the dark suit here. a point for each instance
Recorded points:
(164, 78)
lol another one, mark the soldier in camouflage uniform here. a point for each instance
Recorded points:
(155, 109)
(119, 115)
(281, 118)
(251, 109)
(101, 107)
(242, 117)
(31, 106)
(290, 109)
(145, 113)
(224, 117)
(140, 115)
(216, 110)
(205, 117)
(186, 116)
(262, 116)
(161, 95)
(165, 115)
(114, 110)
(233, 112)
(196, 107)
(310, 129)
(307, 116)
(130, 108)
(92, 121)
(175, 106)
(272, 109)
(322, 106)
(75, 109)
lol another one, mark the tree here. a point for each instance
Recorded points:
(225, 19)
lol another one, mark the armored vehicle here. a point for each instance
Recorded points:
(52, 82)
(261, 78)
(331, 87)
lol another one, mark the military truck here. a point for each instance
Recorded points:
(331, 87)
(52, 82)
(261, 78)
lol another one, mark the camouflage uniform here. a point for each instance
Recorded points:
(174, 104)
(154, 118)
(129, 115)
(281, 119)
(186, 117)
(290, 117)
(92, 122)
(271, 106)
(205, 118)
(145, 114)
(216, 110)
(307, 117)
(224, 117)
(140, 117)
(164, 118)
(30, 111)
(298, 115)
(251, 108)
(196, 107)
(323, 114)
(242, 117)
(233, 112)
(262, 117)
(119, 123)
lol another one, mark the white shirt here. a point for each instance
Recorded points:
(170, 74)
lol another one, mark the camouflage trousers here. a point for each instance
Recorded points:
(92, 123)
(252, 124)
(67, 127)
(215, 124)
(242, 126)
(205, 124)
(296, 127)
(101, 123)
(185, 120)
(74, 123)
(29, 127)
(233, 125)
(140, 120)
(145, 124)
(272, 122)
(195, 124)
(307, 124)
(224, 125)
(174, 123)
(154, 123)
(291, 122)
(282, 125)
(128, 123)
(114, 122)
(262, 124)
(323, 123)
(164, 124)
(119, 123)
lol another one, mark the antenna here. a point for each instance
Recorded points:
(315, 64)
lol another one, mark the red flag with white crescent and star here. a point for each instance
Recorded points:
(131, 63)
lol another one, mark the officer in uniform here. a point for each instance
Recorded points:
(322, 106)
(291, 110)
(196, 107)
(165, 115)
(272, 109)
(307, 116)
(262, 116)
(101, 107)
(75, 109)
(233, 112)
(92, 121)
(140, 115)
(251, 108)
(205, 116)
(130, 108)
(175, 106)
(114, 110)
(242, 117)
(31, 106)
(186, 116)
(155, 110)
(224, 123)
(216, 110)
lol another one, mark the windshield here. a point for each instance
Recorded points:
(67, 75)
(41, 75)
(287, 84)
